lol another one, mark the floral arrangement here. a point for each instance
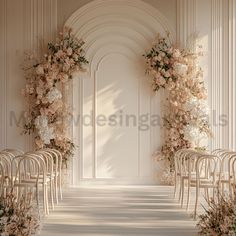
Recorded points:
(220, 218)
(46, 79)
(186, 111)
(18, 218)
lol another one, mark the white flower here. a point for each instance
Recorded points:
(191, 104)
(204, 107)
(53, 95)
(191, 133)
(46, 134)
(180, 69)
(41, 122)
(198, 108)
(39, 70)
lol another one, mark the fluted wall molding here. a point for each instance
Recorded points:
(41, 28)
(216, 73)
(25, 26)
(223, 73)
(232, 74)
(3, 72)
(186, 22)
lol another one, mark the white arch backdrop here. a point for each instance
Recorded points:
(115, 32)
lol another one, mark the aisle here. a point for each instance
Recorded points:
(123, 211)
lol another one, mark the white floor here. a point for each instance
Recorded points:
(119, 210)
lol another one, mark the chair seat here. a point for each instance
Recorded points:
(193, 175)
(25, 184)
(203, 183)
(41, 176)
(226, 180)
(31, 181)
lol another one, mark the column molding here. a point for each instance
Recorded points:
(40, 27)
(3, 79)
(216, 42)
(186, 22)
(232, 74)
(223, 38)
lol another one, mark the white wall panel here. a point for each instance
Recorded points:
(3, 70)
(223, 73)
(232, 75)
(23, 25)
(116, 34)
(29, 24)
(213, 22)
(186, 22)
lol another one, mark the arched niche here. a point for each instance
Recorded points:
(119, 31)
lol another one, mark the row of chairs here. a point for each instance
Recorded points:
(214, 172)
(24, 172)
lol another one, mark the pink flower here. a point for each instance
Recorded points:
(60, 54)
(39, 70)
(69, 51)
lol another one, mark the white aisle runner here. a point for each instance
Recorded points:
(119, 210)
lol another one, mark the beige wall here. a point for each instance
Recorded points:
(24, 23)
(67, 7)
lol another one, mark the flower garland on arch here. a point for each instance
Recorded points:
(185, 118)
(47, 77)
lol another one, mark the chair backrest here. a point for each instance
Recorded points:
(57, 158)
(42, 162)
(49, 161)
(177, 159)
(188, 161)
(216, 151)
(232, 165)
(226, 158)
(6, 162)
(2, 178)
(14, 152)
(26, 166)
(208, 167)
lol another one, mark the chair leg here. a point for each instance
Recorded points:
(180, 190)
(207, 195)
(222, 188)
(231, 190)
(51, 193)
(182, 195)
(44, 200)
(175, 189)
(188, 198)
(196, 203)
(60, 186)
(37, 199)
(47, 205)
(56, 190)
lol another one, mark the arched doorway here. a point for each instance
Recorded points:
(118, 129)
